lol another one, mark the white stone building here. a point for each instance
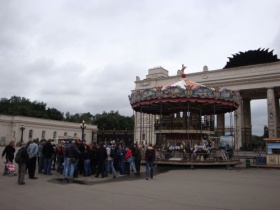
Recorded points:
(25, 128)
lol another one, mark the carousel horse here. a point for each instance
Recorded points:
(202, 150)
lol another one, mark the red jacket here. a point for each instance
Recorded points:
(128, 154)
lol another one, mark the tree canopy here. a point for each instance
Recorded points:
(20, 106)
(113, 120)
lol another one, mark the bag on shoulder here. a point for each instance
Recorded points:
(19, 156)
(112, 153)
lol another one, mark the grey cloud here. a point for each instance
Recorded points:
(84, 56)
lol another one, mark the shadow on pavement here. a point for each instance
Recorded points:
(158, 170)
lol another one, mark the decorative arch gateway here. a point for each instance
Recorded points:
(255, 74)
(183, 114)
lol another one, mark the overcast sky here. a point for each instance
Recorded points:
(84, 56)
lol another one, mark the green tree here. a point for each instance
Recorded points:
(54, 114)
(20, 106)
(113, 120)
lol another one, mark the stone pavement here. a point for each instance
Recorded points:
(172, 188)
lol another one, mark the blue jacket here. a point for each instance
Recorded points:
(121, 154)
(32, 150)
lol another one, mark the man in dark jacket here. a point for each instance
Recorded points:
(81, 148)
(48, 152)
(101, 158)
(150, 157)
(22, 164)
(138, 158)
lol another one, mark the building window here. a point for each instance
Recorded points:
(143, 136)
(30, 134)
(65, 133)
(43, 134)
(54, 134)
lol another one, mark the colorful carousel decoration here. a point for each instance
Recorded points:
(184, 115)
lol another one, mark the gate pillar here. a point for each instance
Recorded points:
(273, 114)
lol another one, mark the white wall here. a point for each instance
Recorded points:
(10, 128)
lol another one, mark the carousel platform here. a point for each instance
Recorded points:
(198, 163)
(193, 162)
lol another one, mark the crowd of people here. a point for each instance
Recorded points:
(73, 158)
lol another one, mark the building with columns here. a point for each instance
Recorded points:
(255, 81)
(20, 128)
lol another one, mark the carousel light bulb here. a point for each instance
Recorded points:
(181, 114)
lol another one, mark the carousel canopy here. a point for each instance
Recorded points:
(184, 95)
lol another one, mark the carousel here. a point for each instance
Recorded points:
(184, 115)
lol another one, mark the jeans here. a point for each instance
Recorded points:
(110, 166)
(87, 167)
(41, 164)
(132, 163)
(65, 167)
(121, 166)
(69, 169)
(47, 165)
(149, 169)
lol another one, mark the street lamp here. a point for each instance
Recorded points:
(21, 138)
(83, 127)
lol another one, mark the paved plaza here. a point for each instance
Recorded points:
(173, 188)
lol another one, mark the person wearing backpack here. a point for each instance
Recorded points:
(110, 160)
(21, 159)
(150, 156)
(72, 156)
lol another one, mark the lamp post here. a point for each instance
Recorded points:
(83, 127)
(21, 138)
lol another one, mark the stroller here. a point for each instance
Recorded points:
(9, 169)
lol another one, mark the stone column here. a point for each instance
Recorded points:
(272, 113)
(221, 124)
(246, 124)
(277, 117)
(137, 127)
(238, 125)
